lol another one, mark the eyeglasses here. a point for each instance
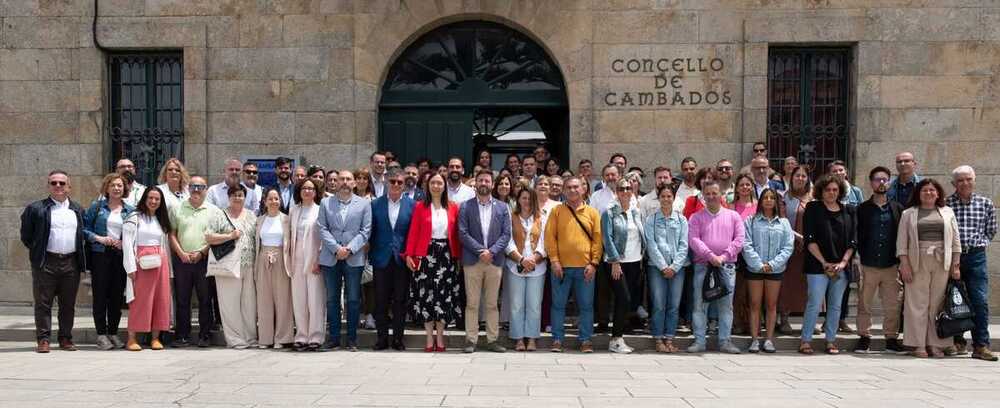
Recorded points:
(57, 183)
(396, 182)
(625, 189)
(724, 168)
(250, 172)
(880, 180)
(198, 187)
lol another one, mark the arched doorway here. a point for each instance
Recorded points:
(472, 85)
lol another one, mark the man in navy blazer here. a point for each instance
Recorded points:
(391, 215)
(482, 258)
(345, 222)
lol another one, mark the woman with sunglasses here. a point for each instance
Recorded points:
(174, 180)
(622, 229)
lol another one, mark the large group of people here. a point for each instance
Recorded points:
(303, 263)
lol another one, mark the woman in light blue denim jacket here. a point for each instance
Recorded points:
(102, 228)
(666, 235)
(767, 247)
(621, 228)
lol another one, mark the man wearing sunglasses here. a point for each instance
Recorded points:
(52, 230)
(254, 190)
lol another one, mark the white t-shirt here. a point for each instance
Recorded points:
(439, 223)
(271, 233)
(149, 232)
(114, 223)
(633, 245)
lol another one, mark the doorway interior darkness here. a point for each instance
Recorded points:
(472, 85)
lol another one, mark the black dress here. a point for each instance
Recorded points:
(435, 293)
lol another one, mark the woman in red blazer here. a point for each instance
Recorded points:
(432, 251)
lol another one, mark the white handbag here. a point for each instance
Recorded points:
(151, 261)
(228, 266)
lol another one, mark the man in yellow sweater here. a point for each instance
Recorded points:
(573, 242)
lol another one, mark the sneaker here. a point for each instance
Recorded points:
(556, 347)
(863, 346)
(117, 341)
(204, 342)
(895, 346)
(729, 348)
(754, 346)
(104, 343)
(470, 347)
(617, 345)
(696, 348)
(586, 347)
(496, 347)
(330, 345)
(983, 353)
(769, 346)
(642, 313)
(370, 323)
(181, 343)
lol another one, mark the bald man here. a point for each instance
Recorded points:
(218, 194)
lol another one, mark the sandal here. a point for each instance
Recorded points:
(806, 349)
(919, 353)
(661, 347)
(531, 345)
(519, 346)
(832, 349)
(671, 348)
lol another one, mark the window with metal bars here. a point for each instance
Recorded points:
(146, 110)
(808, 99)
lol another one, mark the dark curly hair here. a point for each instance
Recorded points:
(825, 180)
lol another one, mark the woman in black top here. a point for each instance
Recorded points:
(831, 238)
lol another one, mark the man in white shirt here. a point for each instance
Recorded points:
(602, 199)
(689, 169)
(376, 163)
(254, 190)
(285, 185)
(529, 169)
(650, 203)
(52, 230)
(218, 194)
(126, 169)
(458, 192)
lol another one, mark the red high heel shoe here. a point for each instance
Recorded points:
(438, 349)
(429, 349)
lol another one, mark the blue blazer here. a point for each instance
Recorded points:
(352, 233)
(387, 243)
(470, 231)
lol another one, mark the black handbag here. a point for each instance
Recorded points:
(956, 315)
(714, 287)
(221, 250)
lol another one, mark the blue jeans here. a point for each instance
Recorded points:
(347, 278)
(975, 275)
(665, 300)
(572, 280)
(525, 297)
(724, 304)
(820, 286)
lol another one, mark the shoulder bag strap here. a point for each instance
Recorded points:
(580, 223)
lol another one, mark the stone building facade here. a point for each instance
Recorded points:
(305, 78)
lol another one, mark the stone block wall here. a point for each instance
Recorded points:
(303, 77)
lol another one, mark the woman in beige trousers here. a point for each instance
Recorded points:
(308, 289)
(274, 285)
(929, 249)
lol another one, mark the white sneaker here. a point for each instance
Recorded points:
(641, 312)
(370, 322)
(617, 345)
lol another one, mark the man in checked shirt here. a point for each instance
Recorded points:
(977, 224)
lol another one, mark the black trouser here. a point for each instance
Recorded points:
(392, 291)
(686, 308)
(57, 278)
(625, 300)
(188, 277)
(108, 282)
(602, 294)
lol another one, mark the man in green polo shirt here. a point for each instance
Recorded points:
(190, 221)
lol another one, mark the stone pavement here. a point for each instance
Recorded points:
(222, 378)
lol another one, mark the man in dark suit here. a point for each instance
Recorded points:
(345, 222)
(391, 215)
(484, 229)
(52, 230)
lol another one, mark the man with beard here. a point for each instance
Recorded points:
(689, 169)
(285, 186)
(345, 222)
(724, 170)
(650, 203)
(218, 194)
(484, 229)
(410, 188)
(134, 189)
(878, 221)
(458, 192)
(377, 164)
(254, 190)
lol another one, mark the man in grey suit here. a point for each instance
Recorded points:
(345, 223)
(484, 229)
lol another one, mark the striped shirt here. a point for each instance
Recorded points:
(977, 222)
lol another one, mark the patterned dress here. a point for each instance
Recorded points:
(436, 292)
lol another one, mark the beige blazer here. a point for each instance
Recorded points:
(285, 243)
(305, 254)
(908, 244)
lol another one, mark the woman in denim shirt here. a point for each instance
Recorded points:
(666, 234)
(102, 227)
(767, 246)
(621, 226)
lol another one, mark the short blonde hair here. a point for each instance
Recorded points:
(185, 176)
(106, 182)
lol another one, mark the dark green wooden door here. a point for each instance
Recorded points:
(433, 133)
